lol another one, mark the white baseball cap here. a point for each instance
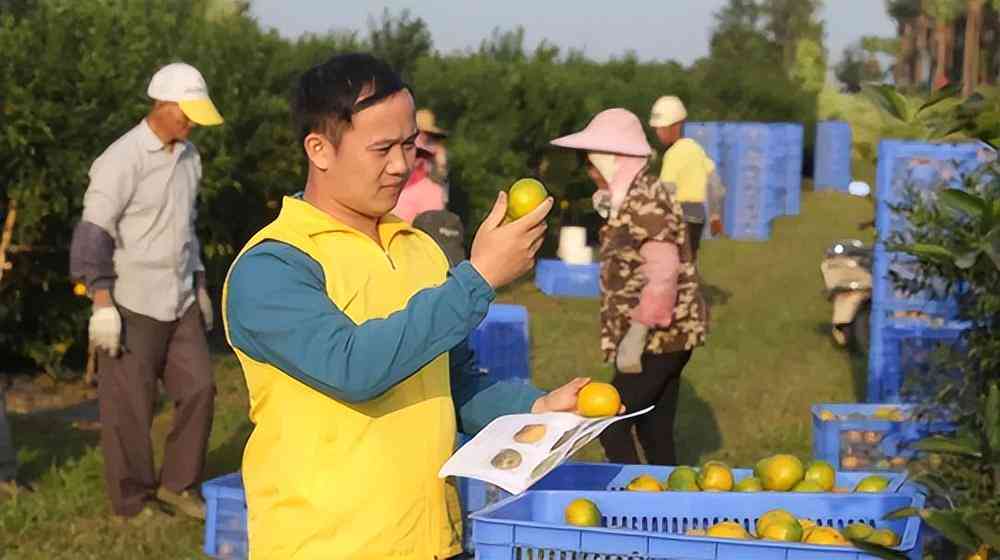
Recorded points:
(184, 84)
(668, 110)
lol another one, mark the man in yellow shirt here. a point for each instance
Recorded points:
(351, 325)
(688, 169)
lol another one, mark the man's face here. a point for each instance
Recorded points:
(369, 168)
(174, 122)
(668, 135)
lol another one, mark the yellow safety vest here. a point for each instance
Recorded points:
(687, 166)
(327, 479)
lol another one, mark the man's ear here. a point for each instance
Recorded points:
(318, 150)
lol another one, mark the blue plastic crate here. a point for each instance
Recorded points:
(708, 135)
(890, 267)
(225, 517)
(755, 174)
(861, 443)
(639, 525)
(903, 360)
(476, 495)
(557, 278)
(925, 167)
(501, 343)
(794, 134)
(832, 161)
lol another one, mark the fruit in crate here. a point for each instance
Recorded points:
(883, 537)
(873, 438)
(873, 483)
(825, 536)
(644, 483)
(782, 472)
(758, 469)
(850, 462)
(807, 486)
(507, 459)
(582, 513)
(827, 416)
(715, 476)
(806, 524)
(822, 473)
(728, 530)
(532, 433)
(773, 516)
(898, 463)
(858, 531)
(787, 530)
(684, 479)
(696, 533)
(598, 399)
(525, 195)
(854, 436)
(749, 484)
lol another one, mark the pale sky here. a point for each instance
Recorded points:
(655, 29)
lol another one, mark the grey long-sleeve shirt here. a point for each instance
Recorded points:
(140, 206)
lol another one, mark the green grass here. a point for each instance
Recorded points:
(747, 393)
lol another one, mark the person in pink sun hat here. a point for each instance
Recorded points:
(653, 314)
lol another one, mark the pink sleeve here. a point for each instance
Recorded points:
(661, 269)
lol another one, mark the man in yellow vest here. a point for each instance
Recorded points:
(687, 167)
(350, 328)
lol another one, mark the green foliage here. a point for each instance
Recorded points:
(73, 77)
(399, 40)
(855, 68)
(810, 65)
(954, 237)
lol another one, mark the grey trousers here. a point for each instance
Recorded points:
(177, 352)
(8, 457)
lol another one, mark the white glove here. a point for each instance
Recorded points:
(106, 330)
(205, 303)
(628, 359)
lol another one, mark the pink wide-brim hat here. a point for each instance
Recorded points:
(615, 131)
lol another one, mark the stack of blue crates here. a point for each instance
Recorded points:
(794, 146)
(761, 167)
(832, 161)
(906, 327)
(755, 176)
(501, 344)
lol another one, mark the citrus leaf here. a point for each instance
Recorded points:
(941, 95)
(902, 513)
(889, 100)
(967, 260)
(983, 528)
(992, 246)
(952, 446)
(951, 525)
(928, 251)
(878, 550)
(991, 420)
(963, 202)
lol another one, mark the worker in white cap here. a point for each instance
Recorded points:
(688, 167)
(137, 252)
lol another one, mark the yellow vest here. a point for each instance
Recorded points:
(687, 166)
(332, 480)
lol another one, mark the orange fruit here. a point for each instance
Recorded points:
(525, 195)
(715, 476)
(598, 399)
(782, 473)
(582, 513)
(823, 474)
(79, 289)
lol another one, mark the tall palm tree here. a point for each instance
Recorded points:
(944, 13)
(970, 56)
(905, 12)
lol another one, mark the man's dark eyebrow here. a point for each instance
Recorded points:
(385, 142)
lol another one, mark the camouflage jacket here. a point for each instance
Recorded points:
(649, 213)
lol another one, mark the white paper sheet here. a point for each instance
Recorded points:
(500, 456)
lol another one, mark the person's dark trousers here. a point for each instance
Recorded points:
(695, 230)
(659, 385)
(8, 457)
(177, 353)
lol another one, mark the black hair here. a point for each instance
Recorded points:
(327, 95)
